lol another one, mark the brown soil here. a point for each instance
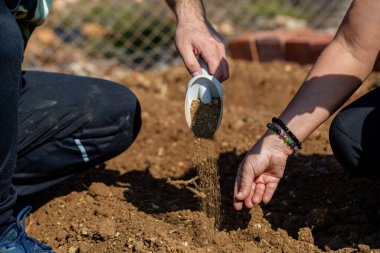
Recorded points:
(207, 169)
(205, 119)
(131, 204)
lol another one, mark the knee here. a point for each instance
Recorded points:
(124, 129)
(347, 145)
(128, 113)
(343, 145)
(130, 122)
(137, 121)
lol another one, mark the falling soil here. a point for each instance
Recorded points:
(130, 205)
(205, 118)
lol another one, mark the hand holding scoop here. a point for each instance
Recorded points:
(206, 89)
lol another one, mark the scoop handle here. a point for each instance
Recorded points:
(204, 94)
(204, 66)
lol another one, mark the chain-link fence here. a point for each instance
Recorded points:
(138, 34)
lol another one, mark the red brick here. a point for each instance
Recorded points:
(269, 49)
(306, 47)
(302, 46)
(271, 46)
(243, 48)
(286, 34)
(259, 37)
(246, 46)
(297, 49)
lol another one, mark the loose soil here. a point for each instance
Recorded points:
(205, 119)
(131, 203)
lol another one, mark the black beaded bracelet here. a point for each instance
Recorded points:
(287, 130)
(283, 136)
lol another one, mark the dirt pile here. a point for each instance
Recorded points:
(205, 119)
(131, 204)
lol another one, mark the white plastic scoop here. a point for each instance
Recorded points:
(203, 87)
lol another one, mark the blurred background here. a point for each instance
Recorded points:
(112, 37)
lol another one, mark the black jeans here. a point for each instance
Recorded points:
(355, 135)
(53, 126)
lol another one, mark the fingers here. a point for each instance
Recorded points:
(255, 182)
(269, 191)
(216, 60)
(259, 174)
(244, 186)
(199, 38)
(238, 204)
(259, 192)
(189, 59)
(248, 201)
(247, 175)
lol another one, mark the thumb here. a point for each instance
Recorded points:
(244, 180)
(189, 59)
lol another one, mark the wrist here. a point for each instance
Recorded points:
(190, 11)
(190, 20)
(278, 144)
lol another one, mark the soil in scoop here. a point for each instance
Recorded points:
(205, 119)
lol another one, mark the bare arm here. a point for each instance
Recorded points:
(339, 71)
(196, 36)
(187, 8)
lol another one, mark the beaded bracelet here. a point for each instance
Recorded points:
(284, 137)
(287, 130)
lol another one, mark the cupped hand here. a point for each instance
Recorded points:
(198, 37)
(260, 172)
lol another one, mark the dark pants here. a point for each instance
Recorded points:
(355, 135)
(53, 126)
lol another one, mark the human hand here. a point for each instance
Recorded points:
(260, 171)
(197, 37)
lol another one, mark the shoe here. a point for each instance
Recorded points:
(15, 240)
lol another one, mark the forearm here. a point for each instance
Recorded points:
(334, 78)
(339, 71)
(186, 10)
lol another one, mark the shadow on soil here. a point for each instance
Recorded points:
(316, 192)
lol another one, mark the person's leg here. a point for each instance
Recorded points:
(355, 138)
(69, 124)
(11, 55)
